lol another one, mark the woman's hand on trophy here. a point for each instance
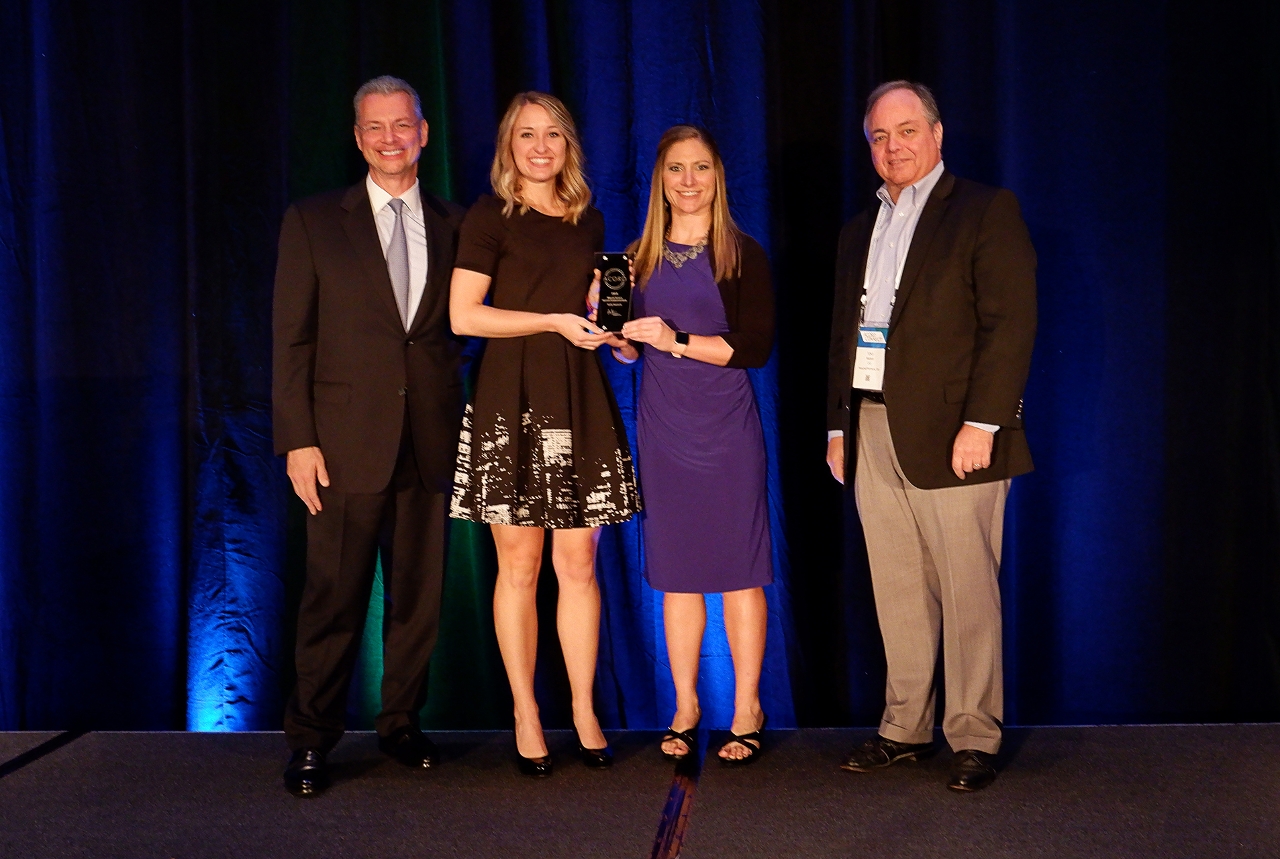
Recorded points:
(651, 330)
(593, 295)
(578, 331)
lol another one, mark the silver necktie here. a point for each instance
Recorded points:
(398, 261)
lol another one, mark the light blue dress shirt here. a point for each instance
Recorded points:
(890, 242)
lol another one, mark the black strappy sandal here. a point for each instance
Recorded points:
(752, 742)
(686, 737)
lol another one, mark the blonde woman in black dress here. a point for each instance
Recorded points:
(543, 446)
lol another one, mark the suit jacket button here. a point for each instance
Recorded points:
(410, 343)
(403, 391)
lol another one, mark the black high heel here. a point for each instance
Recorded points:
(688, 737)
(596, 759)
(752, 742)
(534, 767)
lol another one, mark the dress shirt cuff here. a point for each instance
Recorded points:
(834, 434)
(991, 428)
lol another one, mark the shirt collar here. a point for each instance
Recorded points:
(379, 198)
(919, 192)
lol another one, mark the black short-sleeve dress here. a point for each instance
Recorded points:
(542, 443)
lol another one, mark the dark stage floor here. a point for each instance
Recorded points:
(1175, 791)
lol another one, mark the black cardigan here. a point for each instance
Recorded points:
(748, 306)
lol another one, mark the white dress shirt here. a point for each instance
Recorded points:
(415, 232)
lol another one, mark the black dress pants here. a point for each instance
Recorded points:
(408, 524)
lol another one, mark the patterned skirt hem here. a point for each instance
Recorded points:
(518, 475)
(615, 518)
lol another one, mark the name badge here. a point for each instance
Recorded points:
(868, 360)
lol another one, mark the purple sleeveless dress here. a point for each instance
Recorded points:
(700, 449)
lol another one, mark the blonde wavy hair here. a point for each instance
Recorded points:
(571, 182)
(723, 238)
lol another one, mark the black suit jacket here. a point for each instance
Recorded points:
(344, 368)
(960, 336)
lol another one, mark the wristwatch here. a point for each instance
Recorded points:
(682, 343)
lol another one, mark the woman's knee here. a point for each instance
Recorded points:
(518, 576)
(519, 555)
(750, 601)
(573, 554)
(575, 571)
(684, 605)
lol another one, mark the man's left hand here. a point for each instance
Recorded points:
(971, 451)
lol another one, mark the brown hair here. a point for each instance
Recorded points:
(723, 237)
(571, 183)
(922, 92)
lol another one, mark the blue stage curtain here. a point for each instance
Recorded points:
(93, 302)
(149, 546)
(1083, 639)
(239, 647)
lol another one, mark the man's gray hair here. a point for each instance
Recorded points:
(925, 95)
(387, 85)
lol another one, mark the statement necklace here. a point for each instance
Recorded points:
(679, 259)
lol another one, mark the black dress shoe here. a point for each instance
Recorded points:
(972, 770)
(410, 747)
(877, 753)
(596, 759)
(307, 773)
(534, 767)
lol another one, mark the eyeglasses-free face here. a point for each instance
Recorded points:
(538, 145)
(904, 147)
(389, 134)
(689, 177)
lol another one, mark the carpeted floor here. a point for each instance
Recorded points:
(1193, 791)
(219, 795)
(1177, 791)
(15, 743)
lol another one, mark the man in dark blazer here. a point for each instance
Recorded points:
(367, 403)
(932, 330)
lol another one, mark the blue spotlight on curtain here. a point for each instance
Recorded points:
(239, 646)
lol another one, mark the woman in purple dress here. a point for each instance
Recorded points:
(704, 312)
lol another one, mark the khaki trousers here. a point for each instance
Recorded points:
(935, 556)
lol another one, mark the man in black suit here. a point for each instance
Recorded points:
(932, 330)
(367, 402)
